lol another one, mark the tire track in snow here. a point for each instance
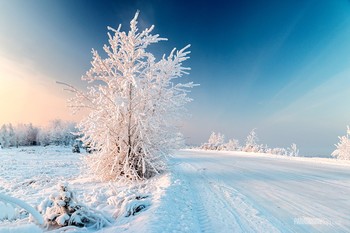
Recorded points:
(238, 222)
(292, 200)
(225, 214)
(286, 199)
(248, 213)
(202, 216)
(201, 213)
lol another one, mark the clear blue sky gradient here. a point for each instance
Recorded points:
(281, 67)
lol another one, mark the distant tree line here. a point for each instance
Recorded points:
(216, 141)
(58, 132)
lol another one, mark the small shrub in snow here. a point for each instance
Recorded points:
(62, 209)
(342, 150)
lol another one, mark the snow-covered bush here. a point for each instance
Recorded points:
(26, 135)
(215, 142)
(62, 209)
(342, 150)
(262, 148)
(232, 145)
(29, 135)
(293, 150)
(134, 102)
(278, 151)
(7, 136)
(251, 144)
(4, 139)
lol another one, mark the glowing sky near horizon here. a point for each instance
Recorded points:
(282, 67)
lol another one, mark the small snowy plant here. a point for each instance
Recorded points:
(342, 150)
(134, 102)
(61, 209)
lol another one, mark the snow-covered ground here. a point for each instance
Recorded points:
(32, 174)
(241, 192)
(205, 191)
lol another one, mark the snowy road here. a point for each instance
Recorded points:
(237, 192)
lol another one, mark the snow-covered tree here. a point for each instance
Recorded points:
(232, 145)
(216, 139)
(134, 102)
(251, 144)
(26, 135)
(262, 148)
(293, 150)
(11, 135)
(57, 133)
(4, 137)
(7, 136)
(32, 135)
(342, 150)
(215, 142)
(44, 137)
(56, 130)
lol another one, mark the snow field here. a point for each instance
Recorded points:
(32, 174)
(204, 191)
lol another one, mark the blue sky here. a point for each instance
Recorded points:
(281, 67)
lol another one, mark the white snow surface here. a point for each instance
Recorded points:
(204, 191)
